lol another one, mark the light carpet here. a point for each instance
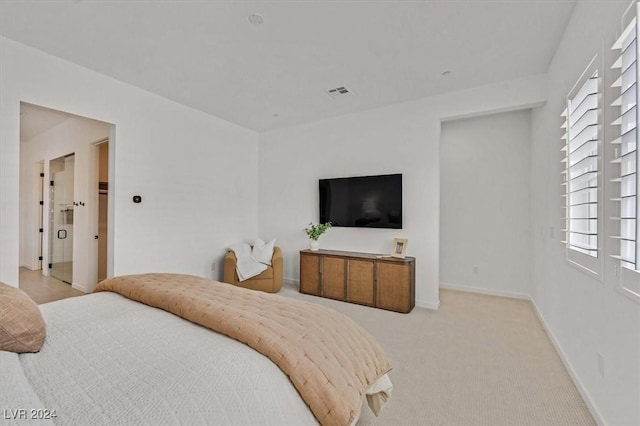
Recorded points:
(478, 360)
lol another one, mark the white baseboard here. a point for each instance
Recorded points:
(428, 305)
(576, 380)
(30, 267)
(81, 288)
(486, 291)
(291, 283)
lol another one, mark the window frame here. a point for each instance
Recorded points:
(592, 265)
(628, 282)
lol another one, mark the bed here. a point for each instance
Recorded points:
(141, 350)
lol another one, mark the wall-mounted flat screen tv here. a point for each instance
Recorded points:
(363, 201)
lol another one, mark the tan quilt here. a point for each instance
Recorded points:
(330, 359)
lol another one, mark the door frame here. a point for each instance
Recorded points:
(81, 281)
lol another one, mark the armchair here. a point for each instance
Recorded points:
(270, 280)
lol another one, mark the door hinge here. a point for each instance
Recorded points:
(51, 266)
(41, 230)
(42, 203)
(41, 174)
(51, 183)
(39, 257)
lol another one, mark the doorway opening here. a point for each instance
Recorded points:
(103, 208)
(66, 208)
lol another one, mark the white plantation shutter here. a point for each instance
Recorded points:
(626, 144)
(581, 171)
(565, 173)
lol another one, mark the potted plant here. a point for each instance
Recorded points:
(314, 231)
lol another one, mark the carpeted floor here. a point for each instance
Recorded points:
(478, 360)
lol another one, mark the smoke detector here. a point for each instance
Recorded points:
(256, 18)
(339, 92)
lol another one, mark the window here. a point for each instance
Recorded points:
(582, 180)
(625, 144)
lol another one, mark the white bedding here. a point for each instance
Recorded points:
(19, 403)
(109, 360)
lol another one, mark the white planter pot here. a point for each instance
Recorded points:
(315, 245)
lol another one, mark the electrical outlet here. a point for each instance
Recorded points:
(601, 365)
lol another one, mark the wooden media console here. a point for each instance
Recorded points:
(366, 279)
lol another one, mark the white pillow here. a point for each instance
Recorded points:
(263, 252)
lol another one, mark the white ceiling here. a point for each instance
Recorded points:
(207, 55)
(35, 120)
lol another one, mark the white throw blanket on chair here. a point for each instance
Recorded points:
(246, 265)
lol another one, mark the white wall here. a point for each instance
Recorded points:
(180, 161)
(585, 317)
(197, 199)
(402, 138)
(484, 204)
(74, 135)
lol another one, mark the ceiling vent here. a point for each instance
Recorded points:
(339, 92)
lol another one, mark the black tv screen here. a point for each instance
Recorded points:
(363, 202)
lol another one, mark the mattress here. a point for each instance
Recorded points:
(110, 360)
